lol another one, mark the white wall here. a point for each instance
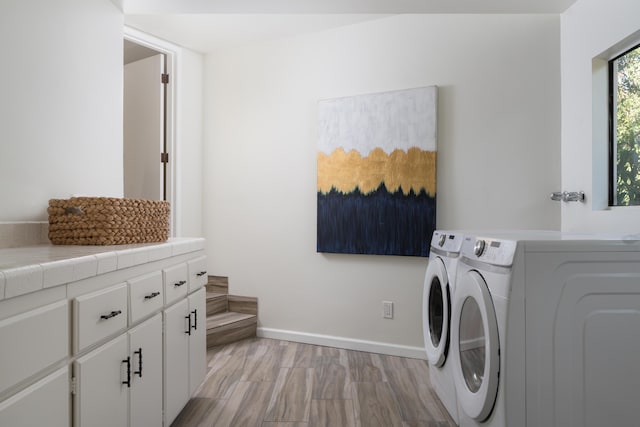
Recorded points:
(498, 159)
(591, 29)
(61, 104)
(189, 144)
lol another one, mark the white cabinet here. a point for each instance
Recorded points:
(175, 283)
(145, 349)
(197, 340)
(45, 403)
(197, 273)
(99, 315)
(184, 351)
(101, 395)
(123, 345)
(145, 296)
(176, 359)
(32, 341)
(123, 374)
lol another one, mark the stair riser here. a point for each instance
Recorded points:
(217, 305)
(218, 284)
(217, 289)
(232, 332)
(240, 304)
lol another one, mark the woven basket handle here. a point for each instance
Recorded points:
(76, 210)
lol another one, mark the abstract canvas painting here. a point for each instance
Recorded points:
(377, 173)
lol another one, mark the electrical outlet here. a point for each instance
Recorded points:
(387, 309)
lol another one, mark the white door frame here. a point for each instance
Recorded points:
(172, 53)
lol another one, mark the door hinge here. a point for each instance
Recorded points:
(164, 78)
(164, 157)
(72, 385)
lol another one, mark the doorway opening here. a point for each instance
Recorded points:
(149, 142)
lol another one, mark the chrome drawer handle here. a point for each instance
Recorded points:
(152, 295)
(202, 273)
(180, 283)
(110, 315)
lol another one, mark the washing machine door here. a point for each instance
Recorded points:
(475, 337)
(436, 312)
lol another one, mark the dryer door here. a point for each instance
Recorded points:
(436, 312)
(476, 345)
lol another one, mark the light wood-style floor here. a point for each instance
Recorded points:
(270, 383)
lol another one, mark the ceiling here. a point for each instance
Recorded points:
(209, 32)
(345, 6)
(208, 25)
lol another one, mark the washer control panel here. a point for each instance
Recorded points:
(447, 241)
(489, 250)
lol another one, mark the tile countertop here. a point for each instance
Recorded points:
(31, 268)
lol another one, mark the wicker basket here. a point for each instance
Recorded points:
(107, 221)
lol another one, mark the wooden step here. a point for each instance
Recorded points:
(217, 303)
(240, 304)
(219, 284)
(227, 327)
(229, 317)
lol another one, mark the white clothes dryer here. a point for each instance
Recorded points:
(546, 330)
(439, 286)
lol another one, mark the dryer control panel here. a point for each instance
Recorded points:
(489, 250)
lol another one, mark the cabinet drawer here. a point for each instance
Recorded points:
(145, 296)
(33, 341)
(197, 273)
(175, 283)
(98, 315)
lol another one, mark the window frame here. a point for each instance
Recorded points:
(612, 123)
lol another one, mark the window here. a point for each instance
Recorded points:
(624, 128)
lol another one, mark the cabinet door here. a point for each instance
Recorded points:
(197, 340)
(23, 338)
(45, 403)
(101, 397)
(145, 350)
(176, 359)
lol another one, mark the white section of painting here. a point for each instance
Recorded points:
(388, 120)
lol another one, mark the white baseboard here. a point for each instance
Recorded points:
(341, 342)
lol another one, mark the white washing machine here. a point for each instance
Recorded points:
(439, 286)
(546, 330)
